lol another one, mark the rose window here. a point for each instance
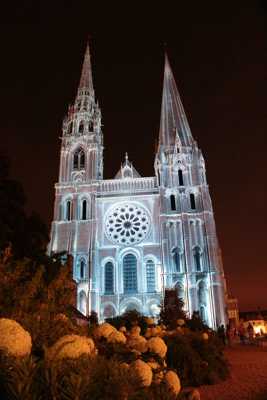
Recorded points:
(127, 224)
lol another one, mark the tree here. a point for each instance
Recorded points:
(171, 309)
(26, 235)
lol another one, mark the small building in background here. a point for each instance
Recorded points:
(233, 312)
(258, 319)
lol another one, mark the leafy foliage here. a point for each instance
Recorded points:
(196, 361)
(26, 235)
(129, 319)
(171, 309)
(195, 323)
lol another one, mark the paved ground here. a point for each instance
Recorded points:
(248, 379)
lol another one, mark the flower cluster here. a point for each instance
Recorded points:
(71, 346)
(14, 340)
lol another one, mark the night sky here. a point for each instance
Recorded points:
(218, 54)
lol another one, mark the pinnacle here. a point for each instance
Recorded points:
(86, 81)
(173, 119)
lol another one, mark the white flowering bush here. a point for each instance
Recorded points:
(157, 345)
(71, 346)
(135, 331)
(116, 337)
(153, 331)
(173, 382)
(138, 343)
(14, 339)
(104, 330)
(153, 365)
(142, 371)
(149, 321)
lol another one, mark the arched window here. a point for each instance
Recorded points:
(82, 160)
(109, 278)
(159, 178)
(76, 160)
(180, 177)
(202, 313)
(82, 269)
(68, 210)
(109, 311)
(130, 273)
(173, 202)
(177, 260)
(81, 127)
(70, 128)
(150, 276)
(179, 286)
(192, 201)
(84, 210)
(79, 159)
(197, 258)
(82, 302)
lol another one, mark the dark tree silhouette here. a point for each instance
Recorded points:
(171, 308)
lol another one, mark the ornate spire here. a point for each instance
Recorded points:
(173, 119)
(86, 81)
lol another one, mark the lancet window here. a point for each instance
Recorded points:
(197, 254)
(173, 202)
(79, 159)
(192, 201)
(150, 276)
(130, 273)
(180, 177)
(109, 278)
(68, 210)
(177, 260)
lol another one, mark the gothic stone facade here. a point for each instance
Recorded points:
(131, 237)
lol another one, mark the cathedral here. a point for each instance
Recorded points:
(131, 237)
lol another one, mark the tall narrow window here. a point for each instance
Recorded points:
(173, 202)
(180, 177)
(91, 126)
(82, 159)
(192, 201)
(109, 278)
(68, 210)
(177, 260)
(82, 302)
(202, 313)
(79, 159)
(197, 258)
(150, 276)
(81, 127)
(76, 160)
(82, 269)
(159, 178)
(130, 273)
(70, 128)
(84, 210)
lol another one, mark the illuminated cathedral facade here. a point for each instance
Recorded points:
(131, 237)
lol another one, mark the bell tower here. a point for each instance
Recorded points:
(81, 157)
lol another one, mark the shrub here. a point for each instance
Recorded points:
(185, 360)
(197, 361)
(195, 323)
(14, 340)
(71, 346)
(129, 319)
(172, 309)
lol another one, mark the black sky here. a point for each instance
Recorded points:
(219, 58)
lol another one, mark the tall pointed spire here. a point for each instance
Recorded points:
(86, 81)
(173, 120)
